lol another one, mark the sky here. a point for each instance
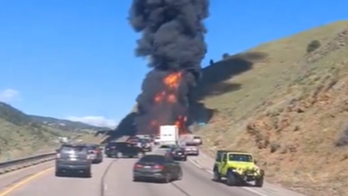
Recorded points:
(75, 59)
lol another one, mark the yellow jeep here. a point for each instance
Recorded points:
(237, 168)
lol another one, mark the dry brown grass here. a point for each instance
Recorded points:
(289, 109)
(21, 141)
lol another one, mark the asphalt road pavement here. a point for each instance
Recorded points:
(48, 184)
(119, 181)
(113, 177)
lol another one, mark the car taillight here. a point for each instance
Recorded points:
(57, 155)
(158, 167)
(137, 166)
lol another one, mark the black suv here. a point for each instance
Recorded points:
(73, 159)
(178, 153)
(123, 149)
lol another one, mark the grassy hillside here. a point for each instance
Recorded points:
(21, 136)
(287, 106)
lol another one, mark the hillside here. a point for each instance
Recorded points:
(20, 135)
(66, 125)
(287, 106)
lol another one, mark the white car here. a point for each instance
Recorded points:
(157, 140)
(197, 140)
(191, 150)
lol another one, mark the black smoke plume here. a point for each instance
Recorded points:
(173, 41)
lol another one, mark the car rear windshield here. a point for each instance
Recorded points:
(77, 149)
(153, 158)
(120, 145)
(178, 149)
(93, 147)
(241, 157)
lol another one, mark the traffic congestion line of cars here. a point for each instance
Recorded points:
(237, 167)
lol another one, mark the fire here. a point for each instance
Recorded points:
(160, 96)
(181, 124)
(171, 98)
(172, 83)
(173, 80)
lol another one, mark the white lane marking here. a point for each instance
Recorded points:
(211, 172)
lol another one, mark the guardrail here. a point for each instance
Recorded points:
(8, 166)
(16, 164)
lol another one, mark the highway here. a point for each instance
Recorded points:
(114, 177)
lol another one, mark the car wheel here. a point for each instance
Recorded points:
(58, 173)
(184, 159)
(167, 178)
(231, 179)
(88, 174)
(259, 182)
(216, 176)
(136, 179)
(180, 175)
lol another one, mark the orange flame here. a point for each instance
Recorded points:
(172, 83)
(181, 124)
(160, 96)
(171, 98)
(173, 80)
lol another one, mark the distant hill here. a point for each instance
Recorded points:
(66, 125)
(22, 134)
(14, 115)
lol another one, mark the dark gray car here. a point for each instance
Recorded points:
(73, 159)
(96, 153)
(157, 167)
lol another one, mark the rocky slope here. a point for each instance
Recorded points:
(291, 110)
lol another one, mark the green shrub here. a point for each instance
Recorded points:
(313, 45)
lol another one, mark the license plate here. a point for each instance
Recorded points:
(179, 153)
(147, 167)
(73, 157)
